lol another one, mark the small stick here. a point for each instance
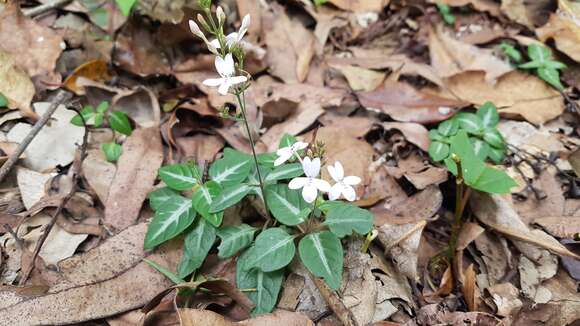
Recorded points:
(61, 96)
(336, 305)
(41, 9)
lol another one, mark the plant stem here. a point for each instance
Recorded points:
(242, 104)
(459, 206)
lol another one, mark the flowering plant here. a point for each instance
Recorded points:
(287, 184)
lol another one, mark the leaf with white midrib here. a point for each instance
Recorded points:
(170, 219)
(286, 171)
(273, 249)
(229, 197)
(224, 174)
(322, 254)
(234, 238)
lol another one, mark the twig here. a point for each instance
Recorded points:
(76, 175)
(41, 9)
(61, 96)
(336, 305)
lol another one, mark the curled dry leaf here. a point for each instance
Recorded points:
(32, 185)
(140, 104)
(96, 70)
(505, 296)
(404, 103)
(401, 243)
(515, 94)
(15, 84)
(360, 79)
(113, 270)
(136, 172)
(450, 57)
(413, 132)
(564, 28)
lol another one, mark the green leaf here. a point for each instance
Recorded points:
(346, 219)
(448, 127)
(469, 121)
(287, 205)
(555, 65)
(480, 148)
(451, 165)
(494, 138)
(158, 197)
(267, 159)
(99, 119)
(232, 169)
(180, 176)
(539, 52)
(438, 151)
(234, 239)
(287, 140)
(494, 181)
(197, 242)
(87, 113)
(119, 122)
(511, 52)
(202, 199)
(170, 275)
(488, 114)
(286, 171)
(112, 151)
(551, 76)
(471, 165)
(229, 197)
(532, 65)
(3, 101)
(446, 14)
(125, 6)
(267, 285)
(103, 106)
(322, 254)
(171, 218)
(274, 248)
(435, 135)
(496, 155)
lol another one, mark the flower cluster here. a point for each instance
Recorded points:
(310, 183)
(222, 46)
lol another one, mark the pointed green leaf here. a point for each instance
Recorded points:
(103, 106)
(555, 65)
(198, 242)
(3, 101)
(322, 254)
(267, 285)
(345, 219)
(180, 176)
(229, 197)
(267, 159)
(494, 181)
(510, 51)
(274, 248)
(469, 121)
(119, 121)
(435, 135)
(202, 199)
(496, 155)
(287, 205)
(158, 197)
(87, 113)
(448, 127)
(438, 151)
(286, 171)
(488, 114)
(480, 148)
(172, 218)
(170, 275)
(99, 119)
(125, 6)
(471, 165)
(494, 138)
(551, 76)
(232, 169)
(234, 239)
(539, 52)
(112, 151)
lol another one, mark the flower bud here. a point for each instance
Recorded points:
(195, 29)
(221, 16)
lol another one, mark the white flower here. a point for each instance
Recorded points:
(310, 184)
(285, 153)
(225, 68)
(235, 38)
(197, 32)
(343, 184)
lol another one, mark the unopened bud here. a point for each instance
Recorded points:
(221, 16)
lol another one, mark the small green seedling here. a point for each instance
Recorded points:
(126, 6)
(481, 128)
(544, 65)
(511, 52)
(445, 12)
(117, 120)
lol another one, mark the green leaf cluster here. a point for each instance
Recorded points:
(481, 128)
(445, 12)
(544, 65)
(193, 205)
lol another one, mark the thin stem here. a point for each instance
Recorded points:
(242, 105)
(459, 205)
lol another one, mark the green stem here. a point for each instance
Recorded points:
(242, 105)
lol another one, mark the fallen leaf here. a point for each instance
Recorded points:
(413, 132)
(450, 57)
(15, 84)
(113, 270)
(99, 173)
(32, 185)
(96, 70)
(140, 104)
(404, 103)
(360, 5)
(169, 11)
(136, 172)
(505, 296)
(515, 94)
(564, 28)
(560, 226)
(421, 206)
(469, 232)
(196, 317)
(469, 289)
(55, 144)
(361, 79)
(401, 243)
(496, 258)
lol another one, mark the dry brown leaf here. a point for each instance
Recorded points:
(102, 282)
(469, 289)
(360, 5)
(560, 226)
(96, 70)
(35, 47)
(196, 317)
(136, 172)
(469, 232)
(401, 243)
(564, 28)
(404, 103)
(32, 185)
(400, 209)
(99, 173)
(290, 45)
(360, 79)
(506, 298)
(515, 94)
(496, 258)
(413, 132)
(15, 84)
(139, 52)
(450, 57)
(140, 104)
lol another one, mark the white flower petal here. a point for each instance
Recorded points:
(284, 151)
(339, 170)
(215, 43)
(311, 167)
(348, 192)
(298, 183)
(213, 82)
(299, 145)
(224, 87)
(351, 180)
(321, 184)
(332, 172)
(238, 80)
(195, 29)
(282, 157)
(309, 193)
(335, 191)
(232, 39)
(244, 27)
(221, 16)
(229, 65)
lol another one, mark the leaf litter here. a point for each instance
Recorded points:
(368, 79)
